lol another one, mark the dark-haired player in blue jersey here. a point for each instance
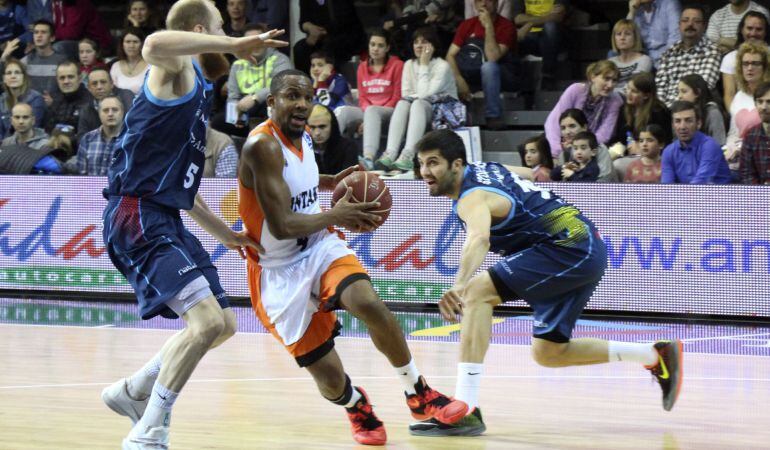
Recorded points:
(155, 173)
(552, 257)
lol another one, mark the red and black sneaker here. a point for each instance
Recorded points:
(366, 427)
(668, 370)
(431, 404)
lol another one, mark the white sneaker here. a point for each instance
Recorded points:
(117, 399)
(153, 439)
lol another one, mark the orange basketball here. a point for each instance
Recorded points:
(367, 187)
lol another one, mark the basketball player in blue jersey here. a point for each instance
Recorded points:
(553, 258)
(155, 172)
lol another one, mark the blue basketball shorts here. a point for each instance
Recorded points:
(159, 257)
(556, 280)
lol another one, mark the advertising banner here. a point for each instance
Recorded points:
(677, 249)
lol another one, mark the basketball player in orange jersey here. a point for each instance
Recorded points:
(307, 270)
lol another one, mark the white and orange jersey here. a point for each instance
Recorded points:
(301, 175)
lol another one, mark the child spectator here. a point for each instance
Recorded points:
(646, 169)
(596, 98)
(630, 60)
(90, 58)
(331, 88)
(379, 89)
(129, 70)
(426, 78)
(658, 23)
(582, 167)
(536, 154)
(694, 89)
(16, 90)
(752, 28)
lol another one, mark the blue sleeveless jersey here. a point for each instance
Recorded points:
(160, 154)
(536, 215)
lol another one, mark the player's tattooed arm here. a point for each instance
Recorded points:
(216, 227)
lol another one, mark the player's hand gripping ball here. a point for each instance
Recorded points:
(367, 187)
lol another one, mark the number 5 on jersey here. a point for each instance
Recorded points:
(189, 179)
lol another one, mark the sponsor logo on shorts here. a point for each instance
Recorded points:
(540, 324)
(186, 269)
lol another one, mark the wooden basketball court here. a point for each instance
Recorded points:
(249, 394)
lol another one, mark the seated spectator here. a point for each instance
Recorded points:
(75, 20)
(647, 168)
(100, 85)
(572, 122)
(753, 28)
(16, 90)
(406, 16)
(96, 147)
(333, 152)
(752, 72)
(340, 36)
(628, 46)
(693, 157)
(480, 57)
(379, 89)
(695, 53)
(14, 23)
(41, 63)
(723, 24)
(129, 69)
(247, 87)
(331, 88)
(755, 148)
(66, 101)
(596, 98)
(221, 155)
(641, 109)
(542, 24)
(504, 8)
(658, 23)
(141, 15)
(90, 58)
(236, 20)
(536, 154)
(694, 89)
(582, 166)
(426, 78)
(26, 133)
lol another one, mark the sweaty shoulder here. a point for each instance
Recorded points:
(260, 153)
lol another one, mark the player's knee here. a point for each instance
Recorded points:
(230, 325)
(548, 354)
(480, 291)
(206, 331)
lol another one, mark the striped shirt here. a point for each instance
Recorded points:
(724, 24)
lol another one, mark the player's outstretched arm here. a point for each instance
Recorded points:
(261, 169)
(213, 225)
(475, 211)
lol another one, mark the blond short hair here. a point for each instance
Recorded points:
(629, 24)
(185, 14)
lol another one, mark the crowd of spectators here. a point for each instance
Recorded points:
(683, 96)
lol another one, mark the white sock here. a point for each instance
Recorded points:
(353, 398)
(140, 383)
(158, 412)
(409, 376)
(468, 381)
(632, 352)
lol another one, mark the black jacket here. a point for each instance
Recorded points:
(89, 116)
(339, 153)
(65, 108)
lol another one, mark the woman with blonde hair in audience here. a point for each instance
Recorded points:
(641, 109)
(596, 98)
(751, 70)
(630, 60)
(694, 89)
(753, 27)
(16, 90)
(128, 71)
(425, 78)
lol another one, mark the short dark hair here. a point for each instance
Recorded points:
(742, 23)
(320, 54)
(279, 80)
(114, 97)
(45, 22)
(138, 32)
(68, 63)
(575, 114)
(697, 6)
(682, 105)
(543, 149)
(762, 89)
(96, 69)
(587, 136)
(656, 131)
(448, 143)
(430, 35)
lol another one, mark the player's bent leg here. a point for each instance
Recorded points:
(575, 352)
(336, 387)
(229, 329)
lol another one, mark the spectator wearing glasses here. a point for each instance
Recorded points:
(752, 28)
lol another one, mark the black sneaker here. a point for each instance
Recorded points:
(668, 370)
(470, 425)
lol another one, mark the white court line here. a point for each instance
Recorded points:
(500, 377)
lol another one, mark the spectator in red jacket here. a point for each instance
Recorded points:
(75, 19)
